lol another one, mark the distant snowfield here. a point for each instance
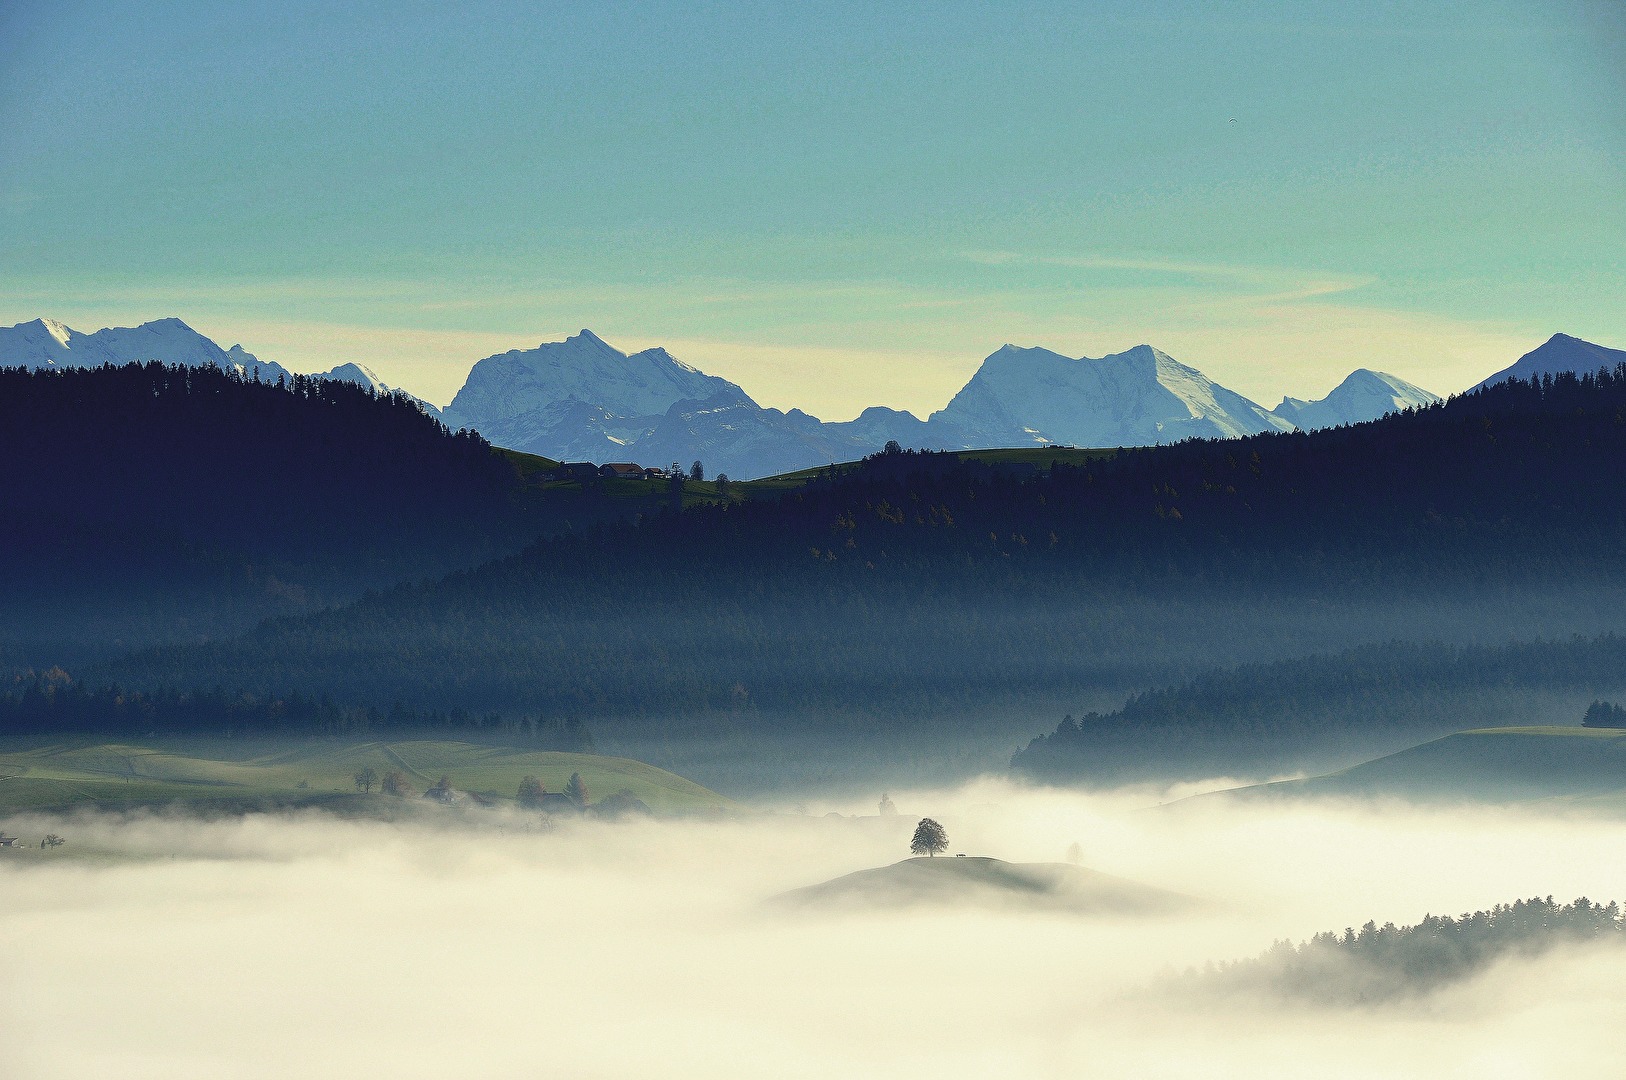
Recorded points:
(278, 946)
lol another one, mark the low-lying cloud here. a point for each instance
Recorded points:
(270, 946)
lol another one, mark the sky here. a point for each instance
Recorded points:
(833, 205)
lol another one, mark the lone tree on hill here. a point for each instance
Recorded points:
(395, 783)
(697, 471)
(576, 790)
(365, 779)
(930, 838)
(531, 792)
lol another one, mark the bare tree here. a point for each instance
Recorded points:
(365, 778)
(930, 838)
(395, 783)
(52, 840)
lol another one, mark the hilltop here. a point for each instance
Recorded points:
(977, 880)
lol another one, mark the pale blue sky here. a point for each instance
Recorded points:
(837, 207)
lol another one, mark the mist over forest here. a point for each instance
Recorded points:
(914, 606)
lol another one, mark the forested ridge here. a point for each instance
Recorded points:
(51, 703)
(150, 501)
(1258, 715)
(924, 582)
(1376, 964)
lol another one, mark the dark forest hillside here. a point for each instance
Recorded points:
(1376, 698)
(150, 501)
(923, 585)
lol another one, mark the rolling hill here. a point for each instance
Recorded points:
(266, 771)
(1321, 712)
(979, 881)
(1510, 764)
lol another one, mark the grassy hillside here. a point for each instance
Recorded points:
(979, 880)
(1491, 764)
(1373, 700)
(1043, 457)
(271, 770)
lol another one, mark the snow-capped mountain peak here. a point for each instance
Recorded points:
(1559, 354)
(525, 395)
(359, 374)
(1137, 397)
(47, 343)
(1364, 395)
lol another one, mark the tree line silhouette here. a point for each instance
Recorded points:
(149, 501)
(52, 703)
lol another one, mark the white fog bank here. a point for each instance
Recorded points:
(304, 946)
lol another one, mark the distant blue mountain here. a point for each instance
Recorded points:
(1558, 355)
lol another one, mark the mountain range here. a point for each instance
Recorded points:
(583, 399)
(46, 343)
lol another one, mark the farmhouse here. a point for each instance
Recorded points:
(624, 470)
(7, 841)
(575, 470)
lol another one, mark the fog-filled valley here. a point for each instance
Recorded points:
(1032, 541)
(483, 943)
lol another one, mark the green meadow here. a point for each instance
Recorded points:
(1508, 764)
(267, 771)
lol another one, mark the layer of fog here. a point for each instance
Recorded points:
(269, 946)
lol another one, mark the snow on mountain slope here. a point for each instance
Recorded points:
(1032, 396)
(361, 375)
(512, 398)
(1558, 354)
(1364, 395)
(582, 399)
(46, 343)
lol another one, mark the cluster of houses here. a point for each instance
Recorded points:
(624, 470)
